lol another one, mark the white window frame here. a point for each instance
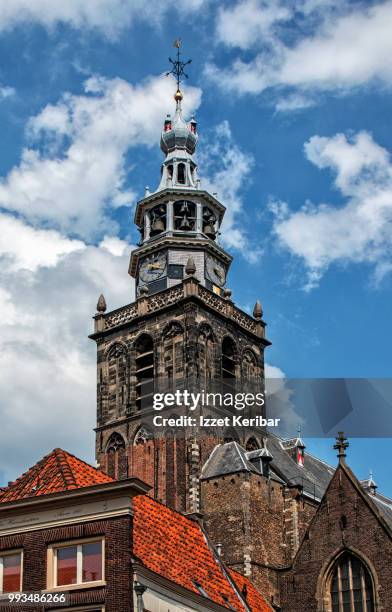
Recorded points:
(52, 565)
(10, 553)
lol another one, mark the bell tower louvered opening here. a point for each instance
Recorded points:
(144, 372)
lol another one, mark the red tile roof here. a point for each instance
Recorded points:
(160, 534)
(253, 598)
(59, 471)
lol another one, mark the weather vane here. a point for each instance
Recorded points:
(178, 64)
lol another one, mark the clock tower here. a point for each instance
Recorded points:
(179, 221)
(182, 328)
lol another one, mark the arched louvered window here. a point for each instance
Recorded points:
(173, 353)
(117, 380)
(229, 354)
(350, 586)
(206, 355)
(250, 368)
(144, 372)
(117, 461)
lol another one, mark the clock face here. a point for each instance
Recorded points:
(152, 267)
(215, 271)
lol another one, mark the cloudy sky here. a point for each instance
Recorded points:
(293, 100)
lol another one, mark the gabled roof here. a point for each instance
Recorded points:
(56, 472)
(165, 541)
(253, 598)
(228, 458)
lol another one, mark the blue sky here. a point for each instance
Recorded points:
(293, 101)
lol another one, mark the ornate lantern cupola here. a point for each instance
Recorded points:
(178, 143)
(179, 220)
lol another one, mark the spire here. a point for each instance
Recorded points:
(341, 445)
(179, 137)
(178, 71)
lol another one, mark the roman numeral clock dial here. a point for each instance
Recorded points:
(152, 267)
(215, 271)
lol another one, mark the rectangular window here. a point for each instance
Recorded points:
(78, 563)
(11, 572)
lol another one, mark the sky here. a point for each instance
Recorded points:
(293, 102)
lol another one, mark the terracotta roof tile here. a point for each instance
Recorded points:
(59, 471)
(254, 599)
(175, 547)
(165, 541)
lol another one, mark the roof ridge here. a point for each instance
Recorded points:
(68, 454)
(64, 467)
(33, 468)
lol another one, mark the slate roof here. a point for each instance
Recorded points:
(230, 458)
(165, 541)
(384, 506)
(314, 476)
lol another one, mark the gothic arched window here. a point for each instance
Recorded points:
(173, 353)
(117, 379)
(117, 461)
(250, 369)
(252, 444)
(206, 354)
(142, 437)
(144, 371)
(350, 586)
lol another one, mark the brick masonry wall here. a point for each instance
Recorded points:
(244, 512)
(254, 520)
(302, 587)
(117, 595)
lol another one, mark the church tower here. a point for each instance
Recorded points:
(183, 326)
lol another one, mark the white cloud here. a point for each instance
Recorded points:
(360, 230)
(225, 170)
(248, 22)
(27, 248)
(328, 50)
(6, 92)
(109, 16)
(47, 364)
(74, 170)
(294, 102)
